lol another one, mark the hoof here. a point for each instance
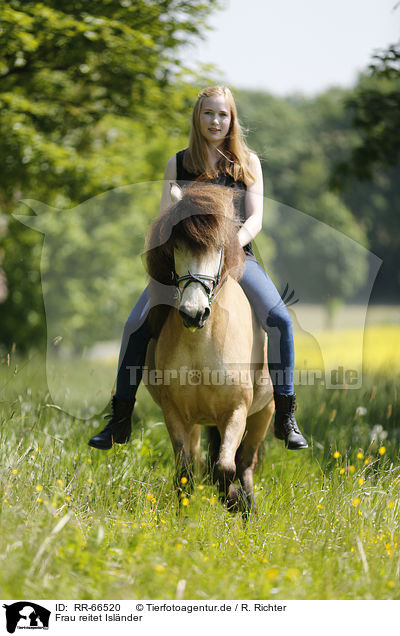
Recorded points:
(224, 477)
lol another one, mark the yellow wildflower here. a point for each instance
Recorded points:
(336, 454)
(382, 450)
(272, 573)
(356, 502)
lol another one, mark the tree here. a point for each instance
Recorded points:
(299, 139)
(375, 109)
(91, 97)
(66, 64)
(366, 176)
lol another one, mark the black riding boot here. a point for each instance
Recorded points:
(118, 429)
(285, 426)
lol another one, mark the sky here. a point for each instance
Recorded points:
(288, 46)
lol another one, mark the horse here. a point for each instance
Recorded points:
(209, 352)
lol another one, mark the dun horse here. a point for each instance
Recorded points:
(210, 353)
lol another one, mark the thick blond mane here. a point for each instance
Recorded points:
(202, 220)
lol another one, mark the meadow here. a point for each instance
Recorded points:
(84, 524)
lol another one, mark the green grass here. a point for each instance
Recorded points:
(80, 523)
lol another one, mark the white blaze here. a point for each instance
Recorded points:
(194, 298)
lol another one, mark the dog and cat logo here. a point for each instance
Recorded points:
(26, 615)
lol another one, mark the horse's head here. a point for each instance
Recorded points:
(197, 278)
(197, 248)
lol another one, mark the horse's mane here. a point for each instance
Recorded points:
(203, 219)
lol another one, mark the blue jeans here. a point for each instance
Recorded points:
(268, 306)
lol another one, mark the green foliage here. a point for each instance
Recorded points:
(366, 172)
(65, 66)
(91, 98)
(375, 109)
(299, 139)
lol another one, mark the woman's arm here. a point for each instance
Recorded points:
(253, 204)
(169, 175)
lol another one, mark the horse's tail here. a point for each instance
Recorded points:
(287, 296)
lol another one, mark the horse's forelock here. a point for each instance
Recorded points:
(201, 232)
(203, 219)
(204, 216)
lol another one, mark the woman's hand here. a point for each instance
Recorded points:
(169, 175)
(175, 192)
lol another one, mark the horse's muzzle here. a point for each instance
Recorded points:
(196, 321)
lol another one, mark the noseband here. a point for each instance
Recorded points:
(209, 283)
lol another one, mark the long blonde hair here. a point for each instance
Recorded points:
(235, 155)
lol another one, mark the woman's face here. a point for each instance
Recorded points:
(215, 119)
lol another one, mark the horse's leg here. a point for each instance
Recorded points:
(195, 439)
(214, 444)
(231, 431)
(246, 458)
(181, 438)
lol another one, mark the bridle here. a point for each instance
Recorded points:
(209, 283)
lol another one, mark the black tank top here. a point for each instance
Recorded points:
(221, 178)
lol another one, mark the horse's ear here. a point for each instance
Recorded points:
(175, 191)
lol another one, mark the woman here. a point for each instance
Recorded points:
(217, 153)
